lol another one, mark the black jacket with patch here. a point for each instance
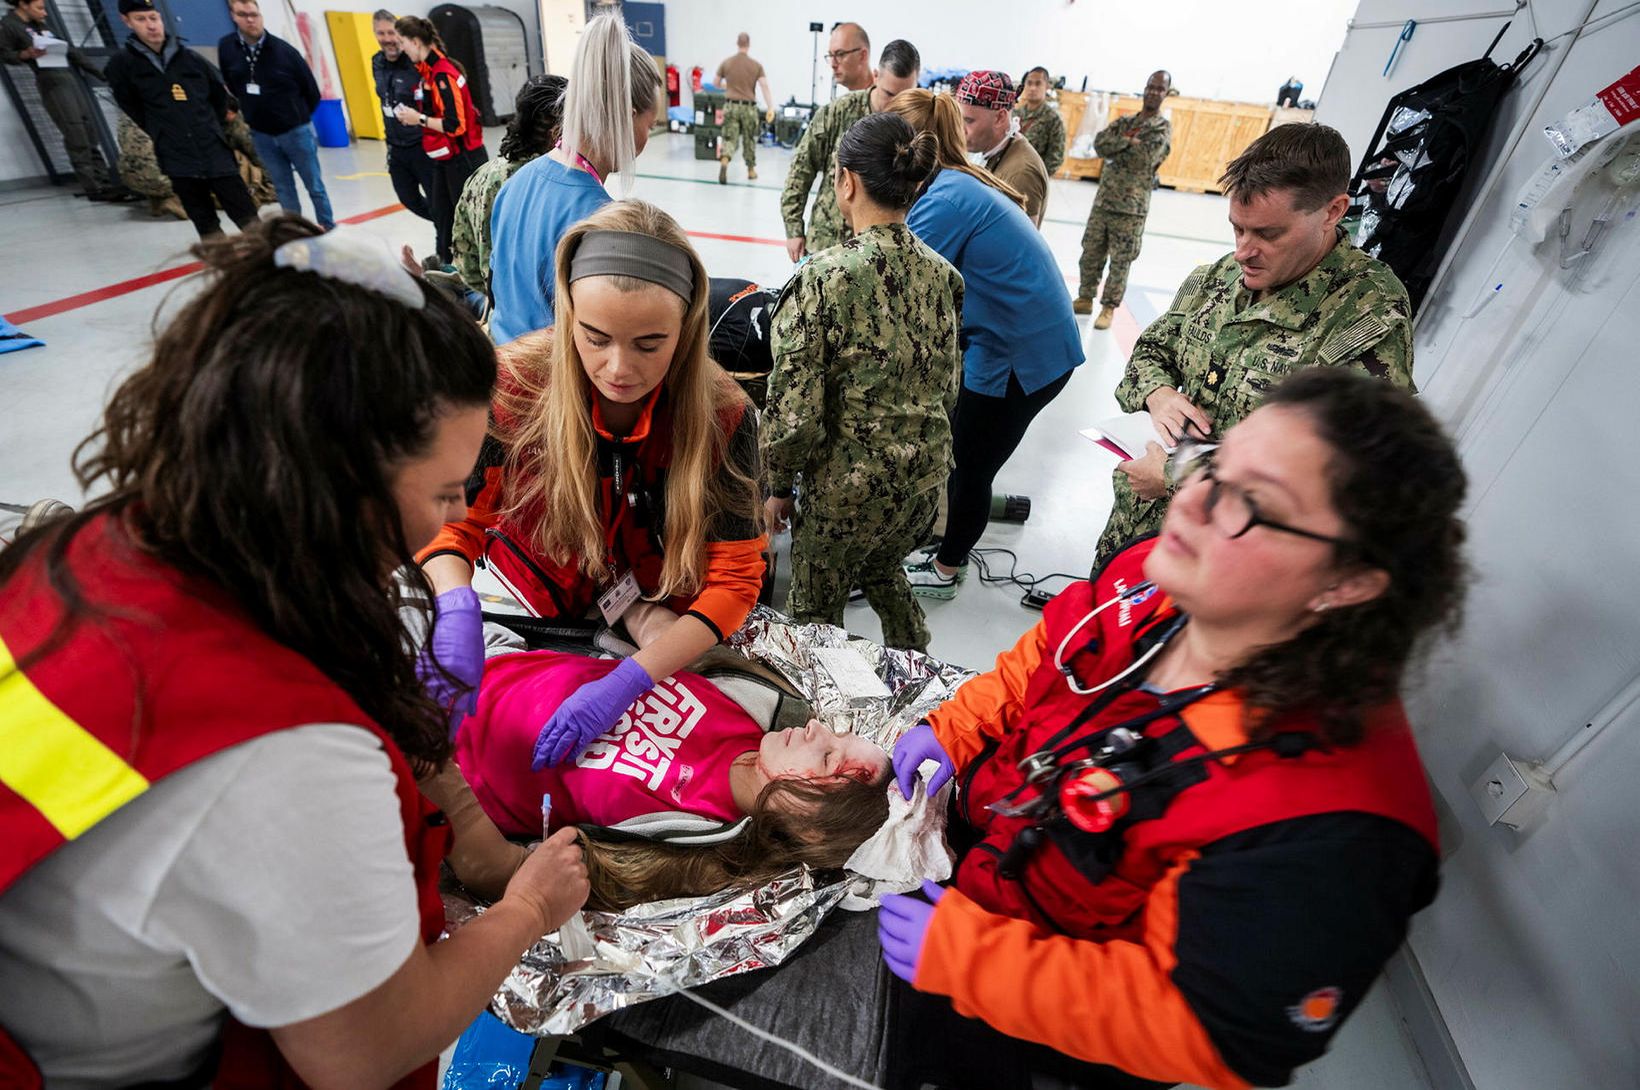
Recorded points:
(180, 101)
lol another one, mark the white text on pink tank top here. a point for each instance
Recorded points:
(645, 741)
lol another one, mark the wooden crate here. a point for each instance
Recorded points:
(1072, 106)
(1207, 134)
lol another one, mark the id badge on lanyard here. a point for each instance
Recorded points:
(614, 602)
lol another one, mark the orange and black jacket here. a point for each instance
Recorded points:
(1228, 913)
(444, 94)
(632, 472)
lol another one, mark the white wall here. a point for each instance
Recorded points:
(1243, 50)
(1531, 950)
(17, 158)
(18, 161)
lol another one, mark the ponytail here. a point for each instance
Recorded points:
(610, 79)
(423, 30)
(938, 116)
(890, 158)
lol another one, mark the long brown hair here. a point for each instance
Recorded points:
(545, 423)
(938, 114)
(814, 822)
(1396, 481)
(256, 450)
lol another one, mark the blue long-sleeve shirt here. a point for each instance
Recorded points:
(532, 212)
(286, 92)
(1016, 310)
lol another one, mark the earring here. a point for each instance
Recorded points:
(1319, 608)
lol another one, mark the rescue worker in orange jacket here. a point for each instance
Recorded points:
(621, 465)
(1195, 821)
(451, 134)
(215, 863)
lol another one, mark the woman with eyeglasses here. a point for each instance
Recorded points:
(1194, 820)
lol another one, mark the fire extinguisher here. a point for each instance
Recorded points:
(674, 94)
(694, 79)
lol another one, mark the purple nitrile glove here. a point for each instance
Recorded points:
(915, 746)
(589, 711)
(902, 925)
(457, 644)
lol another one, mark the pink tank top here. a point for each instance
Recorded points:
(671, 750)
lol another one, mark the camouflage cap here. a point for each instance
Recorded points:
(988, 89)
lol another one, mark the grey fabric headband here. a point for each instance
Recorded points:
(643, 257)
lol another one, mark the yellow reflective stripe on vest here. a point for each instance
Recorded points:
(62, 769)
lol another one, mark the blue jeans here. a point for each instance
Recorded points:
(298, 151)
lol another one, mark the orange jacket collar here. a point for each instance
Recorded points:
(1219, 721)
(640, 430)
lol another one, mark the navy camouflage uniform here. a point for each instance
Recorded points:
(866, 368)
(1224, 350)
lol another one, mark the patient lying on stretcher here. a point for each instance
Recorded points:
(685, 755)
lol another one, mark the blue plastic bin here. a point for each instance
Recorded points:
(330, 125)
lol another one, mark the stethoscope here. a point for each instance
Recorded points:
(1137, 592)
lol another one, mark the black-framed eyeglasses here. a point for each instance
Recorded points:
(1228, 507)
(841, 53)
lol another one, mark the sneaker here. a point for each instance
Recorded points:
(928, 581)
(751, 174)
(1082, 306)
(1105, 315)
(723, 171)
(923, 553)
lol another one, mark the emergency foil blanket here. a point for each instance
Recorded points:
(604, 962)
(916, 683)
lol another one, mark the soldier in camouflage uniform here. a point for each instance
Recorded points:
(816, 153)
(139, 167)
(866, 368)
(1241, 324)
(741, 78)
(1039, 123)
(1132, 149)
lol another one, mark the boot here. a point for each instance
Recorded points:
(1082, 306)
(170, 206)
(751, 174)
(1105, 315)
(723, 170)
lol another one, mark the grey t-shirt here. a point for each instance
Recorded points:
(269, 880)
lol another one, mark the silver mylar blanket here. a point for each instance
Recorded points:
(606, 961)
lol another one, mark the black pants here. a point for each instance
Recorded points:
(196, 193)
(933, 1044)
(412, 174)
(985, 432)
(448, 178)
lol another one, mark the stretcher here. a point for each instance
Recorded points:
(831, 995)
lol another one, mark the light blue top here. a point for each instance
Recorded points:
(532, 212)
(1016, 310)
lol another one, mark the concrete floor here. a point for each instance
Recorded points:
(87, 263)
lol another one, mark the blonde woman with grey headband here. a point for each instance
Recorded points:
(621, 475)
(613, 98)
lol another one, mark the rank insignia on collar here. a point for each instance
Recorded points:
(1213, 379)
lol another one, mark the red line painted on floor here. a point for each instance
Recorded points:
(99, 295)
(738, 238)
(375, 214)
(126, 287)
